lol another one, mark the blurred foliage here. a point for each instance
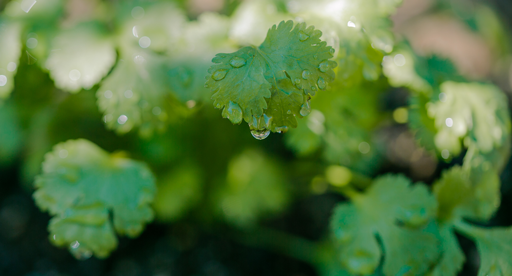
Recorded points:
(79, 79)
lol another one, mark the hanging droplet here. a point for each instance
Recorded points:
(267, 120)
(219, 74)
(323, 66)
(305, 109)
(306, 74)
(321, 83)
(237, 62)
(303, 36)
(282, 129)
(260, 134)
(79, 252)
(233, 112)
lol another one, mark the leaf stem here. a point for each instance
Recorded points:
(467, 229)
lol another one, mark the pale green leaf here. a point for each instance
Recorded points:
(494, 246)
(463, 114)
(267, 86)
(401, 216)
(399, 68)
(82, 56)
(254, 188)
(35, 10)
(468, 193)
(177, 193)
(81, 184)
(10, 53)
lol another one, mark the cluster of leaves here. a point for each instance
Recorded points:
(151, 74)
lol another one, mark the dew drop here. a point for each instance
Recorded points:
(11, 66)
(313, 88)
(237, 62)
(282, 129)
(260, 134)
(323, 66)
(267, 120)
(74, 75)
(303, 36)
(219, 74)
(289, 112)
(306, 74)
(315, 56)
(233, 112)
(144, 42)
(321, 83)
(305, 109)
(122, 119)
(331, 51)
(79, 252)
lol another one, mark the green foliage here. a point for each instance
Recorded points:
(269, 86)
(80, 185)
(9, 56)
(400, 215)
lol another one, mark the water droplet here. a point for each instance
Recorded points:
(144, 42)
(267, 120)
(449, 122)
(3, 80)
(321, 83)
(74, 75)
(313, 88)
(233, 112)
(331, 51)
(445, 154)
(303, 36)
(399, 60)
(122, 119)
(315, 56)
(108, 94)
(306, 74)
(260, 134)
(135, 32)
(237, 62)
(351, 24)
(323, 66)
(79, 252)
(289, 112)
(219, 74)
(11, 66)
(282, 129)
(305, 109)
(139, 59)
(191, 103)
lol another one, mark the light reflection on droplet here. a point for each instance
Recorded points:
(75, 245)
(63, 153)
(449, 122)
(107, 118)
(139, 59)
(445, 154)
(138, 12)
(135, 32)
(54, 237)
(351, 24)
(399, 60)
(122, 119)
(11, 67)
(156, 110)
(3, 80)
(144, 42)
(32, 43)
(364, 147)
(128, 94)
(108, 94)
(74, 75)
(26, 5)
(191, 103)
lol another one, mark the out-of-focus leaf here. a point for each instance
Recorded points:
(81, 57)
(494, 246)
(468, 193)
(476, 114)
(452, 257)
(10, 53)
(254, 188)
(399, 68)
(177, 193)
(35, 11)
(81, 184)
(267, 86)
(401, 216)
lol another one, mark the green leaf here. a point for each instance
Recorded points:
(494, 246)
(468, 193)
(177, 192)
(83, 55)
(473, 113)
(399, 68)
(401, 216)
(34, 11)
(452, 257)
(10, 44)
(11, 135)
(254, 188)
(81, 184)
(267, 86)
